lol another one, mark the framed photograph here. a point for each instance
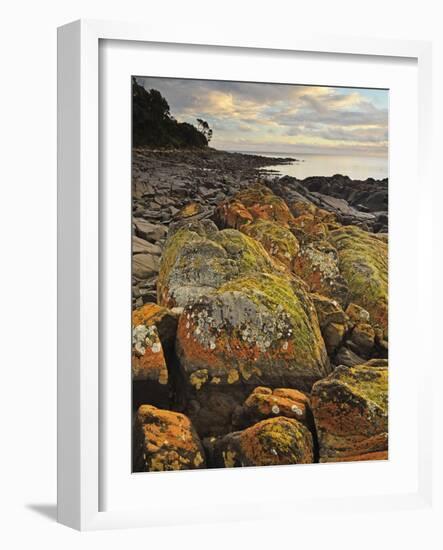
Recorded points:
(241, 281)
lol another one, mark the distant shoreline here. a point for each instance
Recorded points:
(259, 161)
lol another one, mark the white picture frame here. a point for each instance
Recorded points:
(80, 412)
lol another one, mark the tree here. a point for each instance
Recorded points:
(154, 126)
(204, 128)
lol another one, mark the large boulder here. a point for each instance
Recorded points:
(363, 262)
(350, 409)
(272, 442)
(165, 440)
(255, 330)
(246, 322)
(198, 259)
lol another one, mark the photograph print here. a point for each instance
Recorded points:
(259, 274)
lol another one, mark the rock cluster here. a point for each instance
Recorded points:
(260, 320)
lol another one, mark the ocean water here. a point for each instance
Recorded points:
(356, 167)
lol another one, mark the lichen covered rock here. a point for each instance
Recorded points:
(332, 319)
(350, 409)
(198, 259)
(265, 403)
(261, 328)
(317, 264)
(357, 314)
(149, 369)
(278, 240)
(272, 442)
(165, 320)
(165, 440)
(255, 330)
(255, 202)
(363, 337)
(363, 262)
(148, 362)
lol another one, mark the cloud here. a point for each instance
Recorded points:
(281, 117)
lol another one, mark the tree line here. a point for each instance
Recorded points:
(154, 126)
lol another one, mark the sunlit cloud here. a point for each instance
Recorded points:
(280, 117)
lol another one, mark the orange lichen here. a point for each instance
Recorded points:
(189, 210)
(277, 441)
(167, 440)
(147, 314)
(148, 361)
(264, 403)
(350, 409)
(255, 202)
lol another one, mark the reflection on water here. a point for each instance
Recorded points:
(357, 168)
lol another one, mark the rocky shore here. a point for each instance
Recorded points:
(260, 329)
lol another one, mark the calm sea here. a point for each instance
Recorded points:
(358, 168)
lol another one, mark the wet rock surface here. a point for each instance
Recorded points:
(259, 313)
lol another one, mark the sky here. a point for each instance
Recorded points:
(281, 118)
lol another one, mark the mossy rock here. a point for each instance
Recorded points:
(198, 259)
(255, 330)
(317, 263)
(277, 240)
(328, 311)
(363, 262)
(350, 409)
(164, 319)
(165, 440)
(255, 202)
(150, 376)
(148, 361)
(265, 403)
(259, 328)
(272, 442)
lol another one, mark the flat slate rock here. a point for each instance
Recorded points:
(342, 206)
(140, 246)
(149, 231)
(145, 265)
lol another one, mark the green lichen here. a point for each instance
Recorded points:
(285, 297)
(198, 259)
(171, 252)
(363, 262)
(277, 240)
(260, 194)
(249, 254)
(277, 441)
(366, 382)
